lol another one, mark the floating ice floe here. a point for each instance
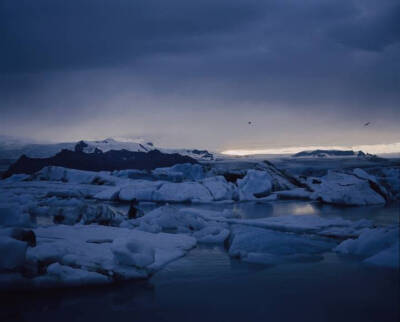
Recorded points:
(206, 190)
(63, 275)
(76, 255)
(219, 188)
(255, 184)
(200, 224)
(344, 189)
(379, 246)
(261, 182)
(212, 234)
(168, 219)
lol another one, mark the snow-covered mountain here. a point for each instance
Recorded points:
(111, 144)
(12, 148)
(323, 154)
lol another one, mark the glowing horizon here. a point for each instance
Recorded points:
(368, 148)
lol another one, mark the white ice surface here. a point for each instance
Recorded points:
(105, 250)
(254, 183)
(378, 246)
(345, 189)
(219, 188)
(182, 192)
(62, 275)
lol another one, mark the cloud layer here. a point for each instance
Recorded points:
(194, 73)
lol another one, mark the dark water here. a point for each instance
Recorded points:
(207, 285)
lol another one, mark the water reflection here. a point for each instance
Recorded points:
(306, 209)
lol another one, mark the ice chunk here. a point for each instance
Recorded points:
(212, 234)
(86, 214)
(131, 252)
(47, 251)
(378, 246)
(67, 215)
(169, 219)
(388, 257)
(73, 246)
(108, 194)
(58, 274)
(344, 189)
(254, 185)
(360, 173)
(130, 173)
(101, 214)
(219, 188)
(182, 192)
(200, 223)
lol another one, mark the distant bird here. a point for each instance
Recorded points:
(249, 123)
(368, 123)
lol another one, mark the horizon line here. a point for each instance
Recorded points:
(368, 148)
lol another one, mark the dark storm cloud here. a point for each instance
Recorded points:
(320, 62)
(46, 34)
(67, 34)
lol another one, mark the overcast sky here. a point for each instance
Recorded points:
(194, 73)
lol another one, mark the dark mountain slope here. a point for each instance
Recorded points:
(99, 161)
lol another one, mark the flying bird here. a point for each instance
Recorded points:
(249, 123)
(368, 123)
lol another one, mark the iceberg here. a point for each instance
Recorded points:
(344, 189)
(378, 246)
(182, 192)
(254, 185)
